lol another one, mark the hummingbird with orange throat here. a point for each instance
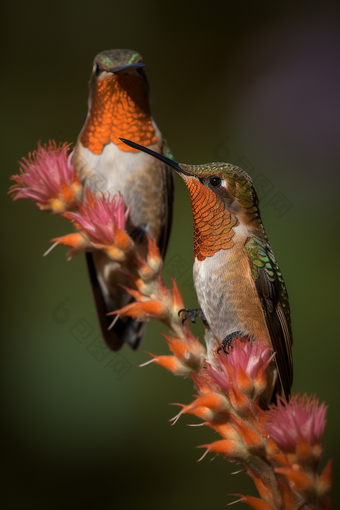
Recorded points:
(238, 282)
(119, 106)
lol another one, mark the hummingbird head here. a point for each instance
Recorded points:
(222, 197)
(228, 183)
(113, 63)
(118, 103)
(221, 182)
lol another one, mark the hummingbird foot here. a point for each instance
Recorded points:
(193, 313)
(226, 343)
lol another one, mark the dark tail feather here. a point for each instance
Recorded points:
(277, 391)
(270, 394)
(125, 330)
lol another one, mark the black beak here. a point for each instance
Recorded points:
(165, 160)
(127, 69)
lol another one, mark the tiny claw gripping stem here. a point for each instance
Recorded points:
(193, 313)
(226, 343)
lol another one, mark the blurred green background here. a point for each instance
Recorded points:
(252, 83)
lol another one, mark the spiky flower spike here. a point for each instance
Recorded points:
(297, 427)
(230, 387)
(297, 423)
(101, 224)
(48, 177)
(279, 448)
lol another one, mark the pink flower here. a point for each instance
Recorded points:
(99, 217)
(244, 362)
(101, 222)
(300, 419)
(48, 177)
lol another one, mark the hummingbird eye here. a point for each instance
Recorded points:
(98, 70)
(215, 181)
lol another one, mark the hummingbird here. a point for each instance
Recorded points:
(118, 106)
(238, 282)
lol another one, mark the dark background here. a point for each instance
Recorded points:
(256, 84)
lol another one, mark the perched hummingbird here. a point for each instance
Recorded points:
(237, 280)
(119, 106)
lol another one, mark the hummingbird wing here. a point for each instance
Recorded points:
(127, 329)
(273, 294)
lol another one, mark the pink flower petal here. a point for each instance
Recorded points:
(100, 216)
(44, 175)
(300, 418)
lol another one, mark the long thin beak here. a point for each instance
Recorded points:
(165, 160)
(126, 69)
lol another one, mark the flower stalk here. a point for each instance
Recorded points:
(279, 448)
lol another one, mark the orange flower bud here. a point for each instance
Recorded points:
(272, 448)
(122, 240)
(143, 311)
(173, 364)
(260, 381)
(145, 271)
(226, 430)
(185, 353)
(68, 194)
(153, 257)
(325, 480)
(301, 481)
(179, 348)
(202, 412)
(238, 400)
(72, 240)
(136, 294)
(250, 437)
(227, 448)
(244, 381)
(177, 300)
(214, 401)
(255, 503)
(143, 287)
(303, 450)
(77, 242)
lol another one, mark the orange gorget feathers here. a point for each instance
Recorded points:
(120, 109)
(213, 225)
